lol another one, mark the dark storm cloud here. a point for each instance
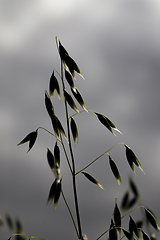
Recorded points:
(116, 45)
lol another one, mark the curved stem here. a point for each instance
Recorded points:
(69, 212)
(121, 218)
(77, 113)
(66, 154)
(73, 163)
(61, 141)
(25, 235)
(89, 110)
(57, 72)
(98, 158)
(48, 132)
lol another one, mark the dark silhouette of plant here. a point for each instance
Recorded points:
(13, 225)
(63, 141)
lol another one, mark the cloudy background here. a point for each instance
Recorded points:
(116, 44)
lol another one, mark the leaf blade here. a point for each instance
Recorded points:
(145, 235)
(57, 154)
(92, 179)
(115, 170)
(74, 130)
(57, 194)
(112, 231)
(134, 188)
(127, 234)
(70, 101)
(50, 158)
(49, 105)
(104, 121)
(54, 86)
(79, 98)
(117, 218)
(131, 158)
(52, 192)
(57, 126)
(31, 138)
(152, 219)
(133, 227)
(68, 61)
(107, 123)
(124, 202)
(69, 79)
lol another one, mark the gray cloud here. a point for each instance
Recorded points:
(116, 45)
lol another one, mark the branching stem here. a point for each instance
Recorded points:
(48, 132)
(65, 153)
(98, 157)
(69, 212)
(73, 162)
(25, 235)
(121, 218)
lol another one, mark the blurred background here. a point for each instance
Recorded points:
(116, 44)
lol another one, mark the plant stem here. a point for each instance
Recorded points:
(121, 219)
(48, 132)
(25, 235)
(69, 212)
(65, 153)
(98, 158)
(73, 163)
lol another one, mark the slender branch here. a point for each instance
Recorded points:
(89, 110)
(69, 212)
(57, 72)
(66, 154)
(25, 235)
(48, 132)
(98, 158)
(73, 163)
(121, 218)
(77, 113)
(61, 141)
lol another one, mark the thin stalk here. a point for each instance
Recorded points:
(98, 158)
(69, 212)
(25, 235)
(48, 132)
(73, 163)
(121, 219)
(61, 141)
(65, 153)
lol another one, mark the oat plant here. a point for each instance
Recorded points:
(65, 136)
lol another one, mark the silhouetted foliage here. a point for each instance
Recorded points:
(115, 230)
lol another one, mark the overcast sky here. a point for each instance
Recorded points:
(116, 44)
